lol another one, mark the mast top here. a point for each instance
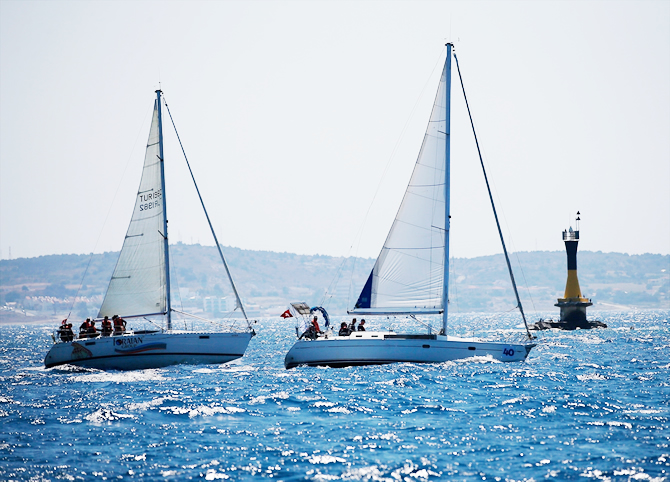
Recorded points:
(577, 221)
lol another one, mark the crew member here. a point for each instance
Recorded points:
(309, 333)
(344, 329)
(119, 325)
(107, 327)
(315, 324)
(92, 330)
(360, 326)
(84, 328)
(65, 331)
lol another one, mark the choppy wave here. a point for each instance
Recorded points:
(585, 405)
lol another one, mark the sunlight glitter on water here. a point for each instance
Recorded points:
(584, 405)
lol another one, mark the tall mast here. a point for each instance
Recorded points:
(447, 179)
(165, 226)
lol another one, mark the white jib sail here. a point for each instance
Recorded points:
(409, 272)
(138, 284)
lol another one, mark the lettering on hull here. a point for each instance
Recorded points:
(141, 348)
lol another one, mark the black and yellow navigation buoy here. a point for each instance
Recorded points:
(573, 305)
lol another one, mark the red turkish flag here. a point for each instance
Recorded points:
(286, 314)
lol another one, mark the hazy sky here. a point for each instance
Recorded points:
(291, 112)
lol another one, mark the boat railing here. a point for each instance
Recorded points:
(570, 235)
(515, 337)
(59, 337)
(427, 325)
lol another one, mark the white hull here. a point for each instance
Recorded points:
(379, 348)
(136, 351)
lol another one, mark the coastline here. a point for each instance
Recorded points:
(14, 318)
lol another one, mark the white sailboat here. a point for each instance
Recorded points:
(140, 288)
(411, 274)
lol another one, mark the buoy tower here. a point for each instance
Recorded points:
(573, 305)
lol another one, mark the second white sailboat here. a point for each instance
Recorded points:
(411, 274)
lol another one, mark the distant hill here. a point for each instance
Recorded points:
(611, 280)
(267, 281)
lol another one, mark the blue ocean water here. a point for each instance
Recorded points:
(585, 405)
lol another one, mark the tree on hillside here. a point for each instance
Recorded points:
(57, 290)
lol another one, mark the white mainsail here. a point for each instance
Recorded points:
(138, 285)
(409, 272)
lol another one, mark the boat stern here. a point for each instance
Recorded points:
(289, 359)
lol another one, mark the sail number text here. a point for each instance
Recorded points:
(149, 200)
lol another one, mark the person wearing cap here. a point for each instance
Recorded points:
(84, 328)
(344, 330)
(315, 324)
(119, 325)
(65, 331)
(360, 325)
(106, 327)
(309, 333)
(92, 330)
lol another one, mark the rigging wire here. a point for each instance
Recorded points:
(502, 208)
(175, 278)
(81, 283)
(216, 241)
(525, 282)
(359, 233)
(111, 205)
(453, 288)
(514, 250)
(492, 204)
(333, 283)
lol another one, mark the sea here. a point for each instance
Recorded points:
(585, 405)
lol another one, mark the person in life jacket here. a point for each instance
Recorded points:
(84, 328)
(119, 325)
(65, 331)
(315, 324)
(92, 330)
(312, 331)
(107, 327)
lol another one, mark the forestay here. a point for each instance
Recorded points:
(409, 272)
(138, 285)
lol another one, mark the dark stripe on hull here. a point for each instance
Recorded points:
(357, 363)
(85, 361)
(350, 363)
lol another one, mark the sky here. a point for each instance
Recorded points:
(302, 121)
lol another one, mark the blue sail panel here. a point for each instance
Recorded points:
(366, 294)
